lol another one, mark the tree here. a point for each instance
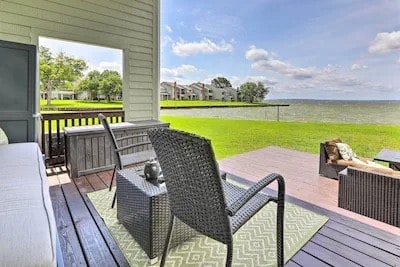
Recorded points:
(253, 92)
(58, 71)
(90, 84)
(107, 83)
(110, 83)
(221, 82)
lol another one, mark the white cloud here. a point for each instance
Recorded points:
(329, 78)
(398, 61)
(265, 80)
(205, 46)
(168, 28)
(263, 60)
(106, 65)
(358, 67)
(256, 54)
(178, 72)
(385, 42)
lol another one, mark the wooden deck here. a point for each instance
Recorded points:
(347, 239)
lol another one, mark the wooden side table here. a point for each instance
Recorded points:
(143, 208)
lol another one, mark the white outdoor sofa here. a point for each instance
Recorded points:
(28, 232)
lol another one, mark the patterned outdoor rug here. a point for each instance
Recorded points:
(254, 243)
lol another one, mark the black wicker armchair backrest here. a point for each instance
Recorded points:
(111, 137)
(193, 183)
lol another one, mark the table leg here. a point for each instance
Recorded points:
(395, 166)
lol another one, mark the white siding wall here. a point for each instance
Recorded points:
(131, 25)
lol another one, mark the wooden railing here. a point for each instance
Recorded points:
(53, 127)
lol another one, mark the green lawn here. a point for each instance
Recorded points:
(231, 137)
(81, 104)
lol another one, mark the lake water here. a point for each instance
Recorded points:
(362, 112)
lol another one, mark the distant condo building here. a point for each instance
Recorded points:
(196, 91)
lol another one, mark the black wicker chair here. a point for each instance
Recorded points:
(201, 199)
(122, 160)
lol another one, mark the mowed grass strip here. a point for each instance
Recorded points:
(230, 137)
(81, 104)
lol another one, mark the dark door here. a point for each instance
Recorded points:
(17, 91)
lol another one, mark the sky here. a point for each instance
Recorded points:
(337, 49)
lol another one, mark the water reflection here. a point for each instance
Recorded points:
(362, 112)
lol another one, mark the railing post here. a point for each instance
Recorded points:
(277, 114)
(50, 139)
(43, 136)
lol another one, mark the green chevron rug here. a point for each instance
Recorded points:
(254, 243)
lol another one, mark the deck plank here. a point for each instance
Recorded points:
(376, 238)
(95, 248)
(327, 256)
(106, 177)
(376, 250)
(116, 252)
(72, 252)
(304, 259)
(347, 251)
(292, 264)
(83, 184)
(95, 181)
(349, 222)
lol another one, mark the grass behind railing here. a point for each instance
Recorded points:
(230, 137)
(62, 124)
(81, 104)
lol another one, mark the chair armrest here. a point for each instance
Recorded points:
(131, 136)
(132, 145)
(253, 190)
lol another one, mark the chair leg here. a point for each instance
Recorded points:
(229, 254)
(168, 240)
(279, 233)
(114, 199)
(112, 177)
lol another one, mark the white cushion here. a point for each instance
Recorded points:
(27, 225)
(3, 137)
